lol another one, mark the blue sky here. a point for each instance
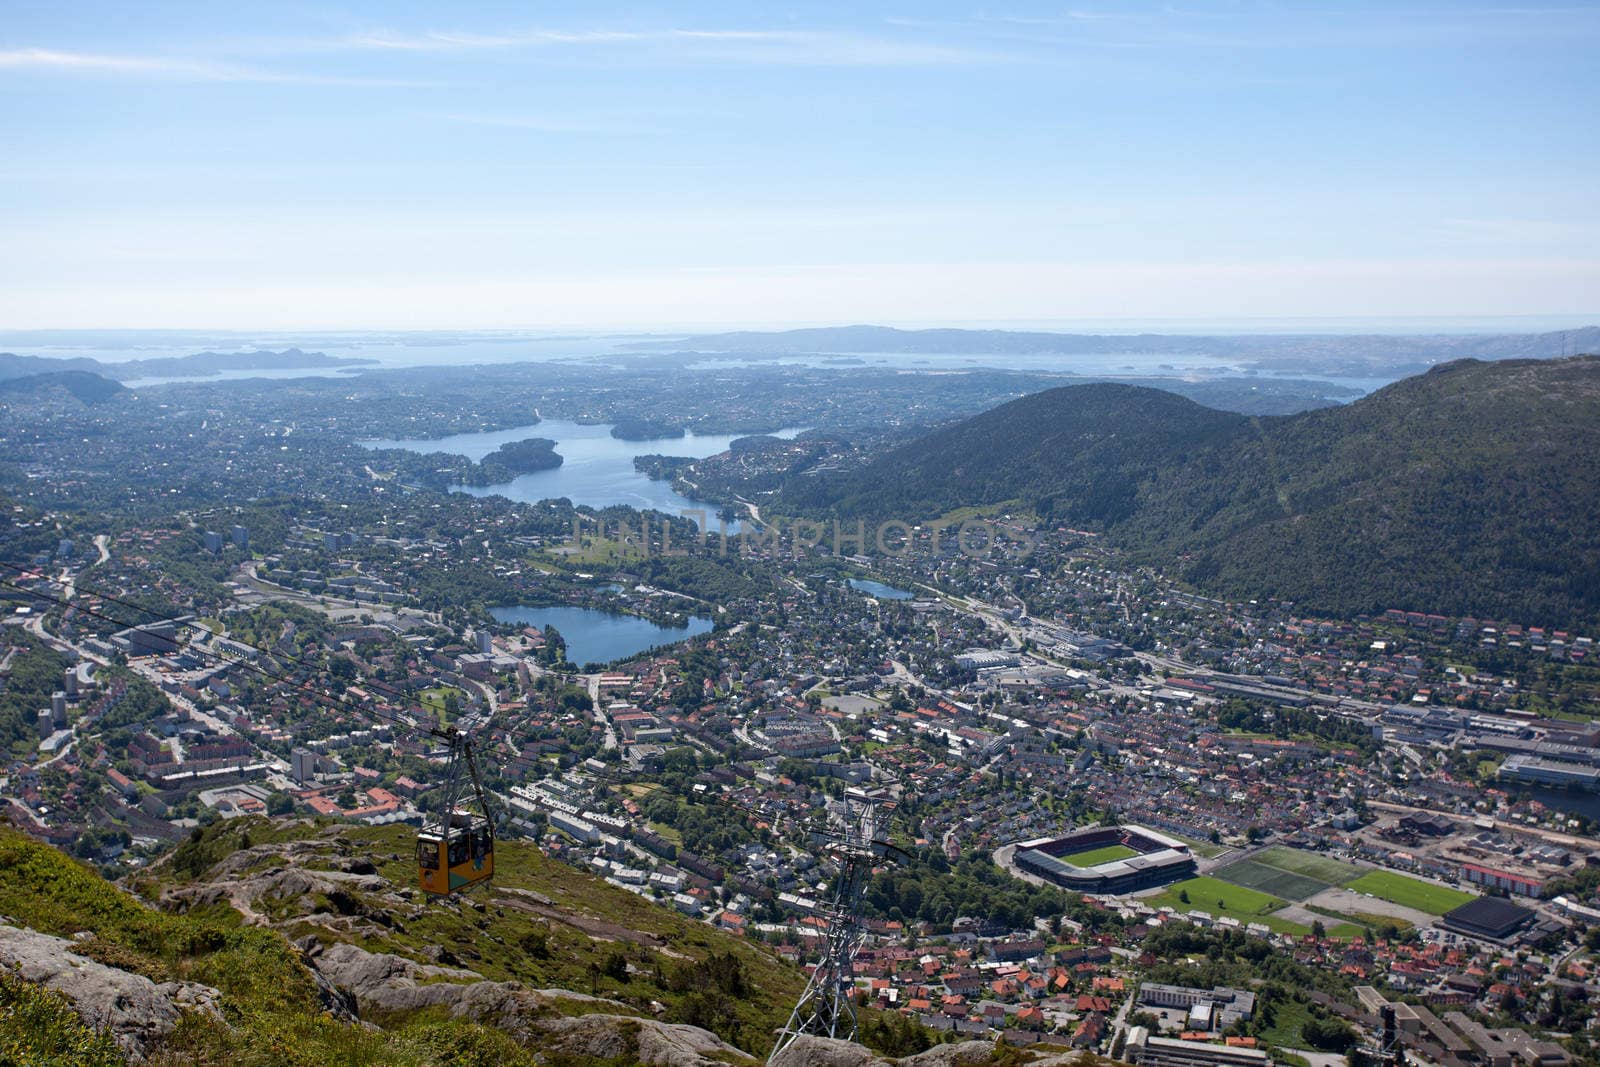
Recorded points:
(528, 165)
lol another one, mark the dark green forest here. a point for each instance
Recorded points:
(1473, 489)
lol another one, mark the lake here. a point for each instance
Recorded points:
(1571, 801)
(878, 589)
(599, 636)
(597, 469)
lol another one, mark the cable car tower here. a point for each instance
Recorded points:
(825, 1007)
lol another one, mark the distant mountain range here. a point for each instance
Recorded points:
(200, 364)
(1472, 489)
(1352, 355)
(85, 387)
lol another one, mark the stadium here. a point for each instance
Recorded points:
(1107, 859)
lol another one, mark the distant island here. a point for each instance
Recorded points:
(446, 470)
(646, 430)
(201, 364)
(1355, 355)
(518, 457)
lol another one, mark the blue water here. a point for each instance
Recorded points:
(1571, 801)
(879, 590)
(597, 469)
(598, 636)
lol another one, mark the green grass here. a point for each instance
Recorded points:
(1309, 864)
(1206, 849)
(270, 1001)
(1410, 892)
(669, 950)
(1288, 1016)
(600, 551)
(1104, 854)
(39, 1028)
(1220, 899)
(1279, 883)
(1371, 920)
(433, 699)
(1288, 873)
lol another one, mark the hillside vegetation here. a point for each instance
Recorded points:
(1471, 489)
(261, 942)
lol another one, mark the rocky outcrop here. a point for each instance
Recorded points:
(247, 895)
(387, 985)
(644, 1041)
(825, 1052)
(135, 1011)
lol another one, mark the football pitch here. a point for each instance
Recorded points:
(1288, 873)
(1310, 864)
(1094, 856)
(1410, 892)
(1260, 877)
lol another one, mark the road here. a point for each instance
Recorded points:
(593, 682)
(904, 673)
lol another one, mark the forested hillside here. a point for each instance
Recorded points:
(1472, 489)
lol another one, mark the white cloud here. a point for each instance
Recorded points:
(170, 67)
(779, 47)
(536, 123)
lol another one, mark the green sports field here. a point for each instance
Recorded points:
(1104, 854)
(1310, 864)
(1279, 883)
(1288, 872)
(1219, 899)
(1410, 892)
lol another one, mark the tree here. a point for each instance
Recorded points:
(1328, 1035)
(1317, 929)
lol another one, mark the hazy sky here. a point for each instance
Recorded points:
(287, 165)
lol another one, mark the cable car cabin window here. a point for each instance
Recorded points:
(482, 843)
(460, 849)
(428, 853)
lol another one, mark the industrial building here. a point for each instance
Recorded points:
(1490, 918)
(1560, 773)
(1148, 1051)
(1222, 1007)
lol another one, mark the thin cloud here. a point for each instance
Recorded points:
(781, 47)
(46, 59)
(535, 123)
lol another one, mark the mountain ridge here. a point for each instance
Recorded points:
(1416, 350)
(199, 364)
(1471, 489)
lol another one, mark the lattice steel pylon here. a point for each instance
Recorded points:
(825, 1007)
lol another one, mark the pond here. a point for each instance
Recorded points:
(596, 469)
(879, 590)
(599, 636)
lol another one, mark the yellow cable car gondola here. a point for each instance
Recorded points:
(455, 851)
